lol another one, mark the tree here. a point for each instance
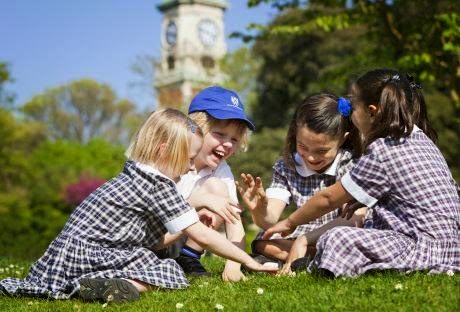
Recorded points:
(144, 67)
(421, 36)
(297, 64)
(6, 97)
(17, 140)
(240, 68)
(34, 208)
(81, 110)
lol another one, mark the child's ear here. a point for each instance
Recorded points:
(373, 109)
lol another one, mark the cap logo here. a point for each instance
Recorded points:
(235, 102)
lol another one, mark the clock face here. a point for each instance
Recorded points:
(171, 33)
(207, 32)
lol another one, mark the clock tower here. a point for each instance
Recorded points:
(192, 42)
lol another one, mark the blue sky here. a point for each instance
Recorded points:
(51, 42)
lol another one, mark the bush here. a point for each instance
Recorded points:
(33, 212)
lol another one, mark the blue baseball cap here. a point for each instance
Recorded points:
(220, 103)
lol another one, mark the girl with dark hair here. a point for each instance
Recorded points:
(402, 178)
(315, 157)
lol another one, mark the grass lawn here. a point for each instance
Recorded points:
(386, 291)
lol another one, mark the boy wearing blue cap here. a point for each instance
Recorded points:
(220, 114)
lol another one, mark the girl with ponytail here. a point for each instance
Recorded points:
(403, 179)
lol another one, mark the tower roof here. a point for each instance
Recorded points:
(167, 4)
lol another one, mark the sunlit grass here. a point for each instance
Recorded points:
(386, 291)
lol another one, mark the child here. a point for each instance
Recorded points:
(104, 251)
(220, 113)
(404, 181)
(313, 160)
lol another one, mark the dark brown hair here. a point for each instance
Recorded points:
(320, 114)
(400, 104)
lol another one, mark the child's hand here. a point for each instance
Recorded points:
(349, 209)
(257, 267)
(232, 274)
(207, 217)
(298, 250)
(284, 227)
(224, 208)
(252, 192)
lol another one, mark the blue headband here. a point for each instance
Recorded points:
(344, 107)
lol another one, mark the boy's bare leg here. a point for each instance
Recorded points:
(191, 251)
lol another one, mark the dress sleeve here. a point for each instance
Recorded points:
(279, 186)
(368, 180)
(171, 208)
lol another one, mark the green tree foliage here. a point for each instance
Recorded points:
(421, 36)
(299, 63)
(17, 140)
(82, 110)
(34, 209)
(6, 97)
(239, 68)
(315, 46)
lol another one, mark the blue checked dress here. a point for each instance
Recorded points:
(414, 208)
(110, 235)
(301, 183)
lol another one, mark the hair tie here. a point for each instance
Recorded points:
(344, 107)
(412, 83)
(192, 127)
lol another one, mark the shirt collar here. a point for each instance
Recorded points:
(304, 171)
(205, 172)
(152, 169)
(208, 170)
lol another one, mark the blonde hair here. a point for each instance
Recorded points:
(206, 122)
(171, 128)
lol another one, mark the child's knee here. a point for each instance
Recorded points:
(215, 186)
(258, 247)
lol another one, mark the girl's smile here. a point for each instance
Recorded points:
(317, 150)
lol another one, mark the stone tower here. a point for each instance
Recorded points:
(192, 42)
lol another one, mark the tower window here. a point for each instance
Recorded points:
(208, 62)
(171, 61)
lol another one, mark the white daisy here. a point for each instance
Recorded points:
(219, 306)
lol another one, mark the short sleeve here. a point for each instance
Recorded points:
(367, 181)
(171, 208)
(279, 187)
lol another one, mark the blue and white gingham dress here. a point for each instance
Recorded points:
(301, 184)
(413, 205)
(111, 235)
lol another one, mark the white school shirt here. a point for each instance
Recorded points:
(189, 181)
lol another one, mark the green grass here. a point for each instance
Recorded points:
(387, 291)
